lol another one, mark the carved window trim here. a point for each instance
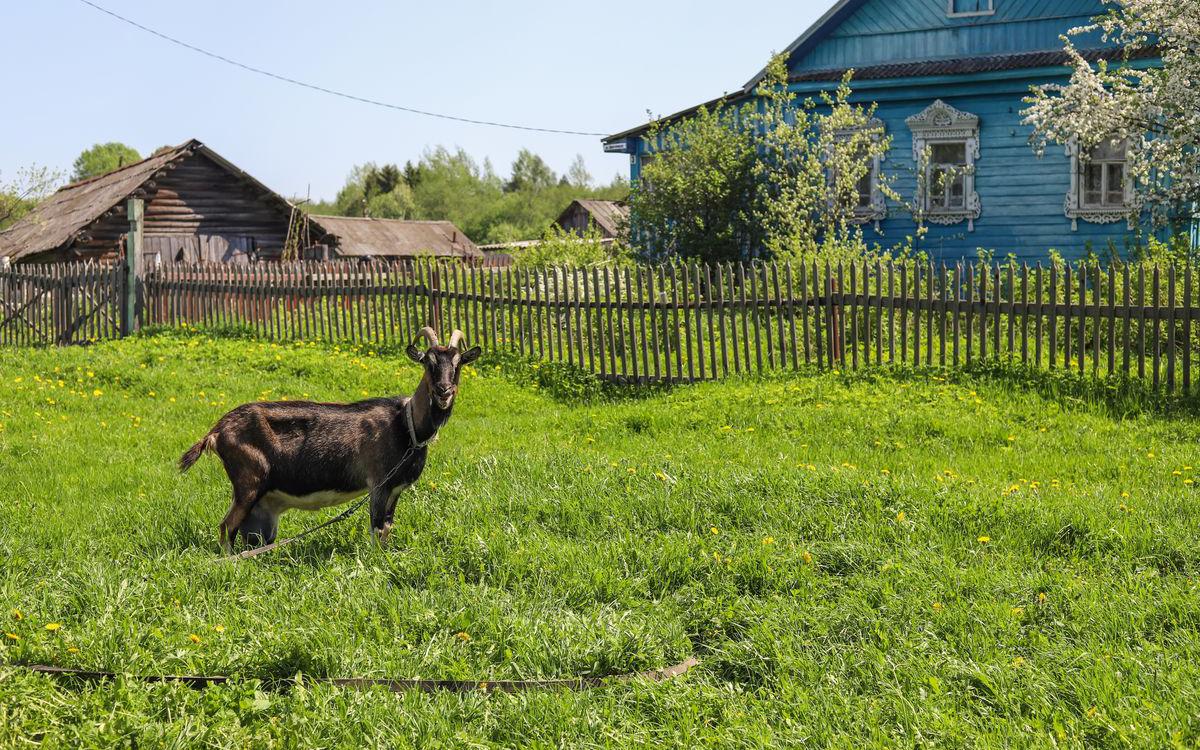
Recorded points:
(940, 123)
(876, 210)
(1074, 206)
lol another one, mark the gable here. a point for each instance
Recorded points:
(875, 32)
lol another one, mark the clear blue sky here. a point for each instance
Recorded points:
(77, 77)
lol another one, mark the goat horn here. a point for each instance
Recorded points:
(429, 334)
(456, 338)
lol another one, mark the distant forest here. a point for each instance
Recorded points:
(451, 185)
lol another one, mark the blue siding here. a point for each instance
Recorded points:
(888, 31)
(1022, 195)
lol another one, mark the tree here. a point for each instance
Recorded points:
(103, 158)
(376, 191)
(776, 176)
(1156, 111)
(578, 175)
(530, 172)
(19, 196)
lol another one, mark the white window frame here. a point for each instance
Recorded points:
(939, 123)
(875, 210)
(991, 10)
(1076, 208)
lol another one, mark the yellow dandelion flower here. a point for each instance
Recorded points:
(937, 607)
(194, 638)
(900, 517)
(884, 472)
(12, 636)
(1018, 662)
(984, 539)
(1018, 611)
(97, 393)
(768, 540)
(219, 628)
(632, 470)
(1041, 597)
(463, 636)
(807, 557)
(714, 530)
(17, 615)
(72, 650)
(53, 626)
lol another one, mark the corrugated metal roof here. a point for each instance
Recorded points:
(366, 237)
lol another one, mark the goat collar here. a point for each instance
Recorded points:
(412, 430)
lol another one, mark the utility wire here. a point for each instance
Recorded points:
(324, 90)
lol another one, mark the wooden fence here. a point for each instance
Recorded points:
(674, 323)
(60, 303)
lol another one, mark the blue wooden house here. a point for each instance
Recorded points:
(949, 77)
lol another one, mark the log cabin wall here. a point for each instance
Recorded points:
(188, 203)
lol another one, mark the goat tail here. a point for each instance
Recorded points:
(206, 443)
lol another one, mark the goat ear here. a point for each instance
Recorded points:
(415, 354)
(469, 356)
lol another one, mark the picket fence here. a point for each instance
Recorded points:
(666, 323)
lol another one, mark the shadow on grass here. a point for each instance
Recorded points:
(1117, 395)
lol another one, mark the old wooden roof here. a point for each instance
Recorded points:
(610, 216)
(364, 237)
(67, 213)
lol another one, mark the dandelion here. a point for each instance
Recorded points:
(97, 393)
(194, 638)
(463, 636)
(714, 530)
(1018, 611)
(1011, 438)
(984, 539)
(937, 607)
(807, 557)
(1018, 662)
(632, 470)
(900, 517)
(219, 628)
(16, 615)
(72, 650)
(884, 472)
(1041, 597)
(12, 636)
(767, 540)
(53, 626)
(1125, 495)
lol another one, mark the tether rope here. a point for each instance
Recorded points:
(396, 685)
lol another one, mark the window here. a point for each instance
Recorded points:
(1100, 184)
(961, 8)
(870, 205)
(946, 145)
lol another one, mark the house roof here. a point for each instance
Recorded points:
(57, 220)
(840, 11)
(366, 237)
(608, 215)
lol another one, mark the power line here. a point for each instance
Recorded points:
(322, 89)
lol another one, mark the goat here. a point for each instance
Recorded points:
(298, 454)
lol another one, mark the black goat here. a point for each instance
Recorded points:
(297, 454)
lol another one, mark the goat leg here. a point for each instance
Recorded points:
(381, 526)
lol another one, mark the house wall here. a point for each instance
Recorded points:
(1022, 195)
(890, 31)
(198, 200)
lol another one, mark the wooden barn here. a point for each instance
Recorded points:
(608, 217)
(200, 207)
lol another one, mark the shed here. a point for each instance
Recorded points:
(198, 206)
(609, 217)
(354, 237)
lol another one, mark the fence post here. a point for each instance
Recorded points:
(132, 309)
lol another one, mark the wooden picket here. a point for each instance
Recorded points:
(665, 323)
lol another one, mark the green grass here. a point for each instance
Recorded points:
(885, 560)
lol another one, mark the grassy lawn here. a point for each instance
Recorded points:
(890, 560)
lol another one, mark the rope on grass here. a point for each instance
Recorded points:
(395, 685)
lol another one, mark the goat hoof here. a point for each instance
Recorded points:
(381, 535)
